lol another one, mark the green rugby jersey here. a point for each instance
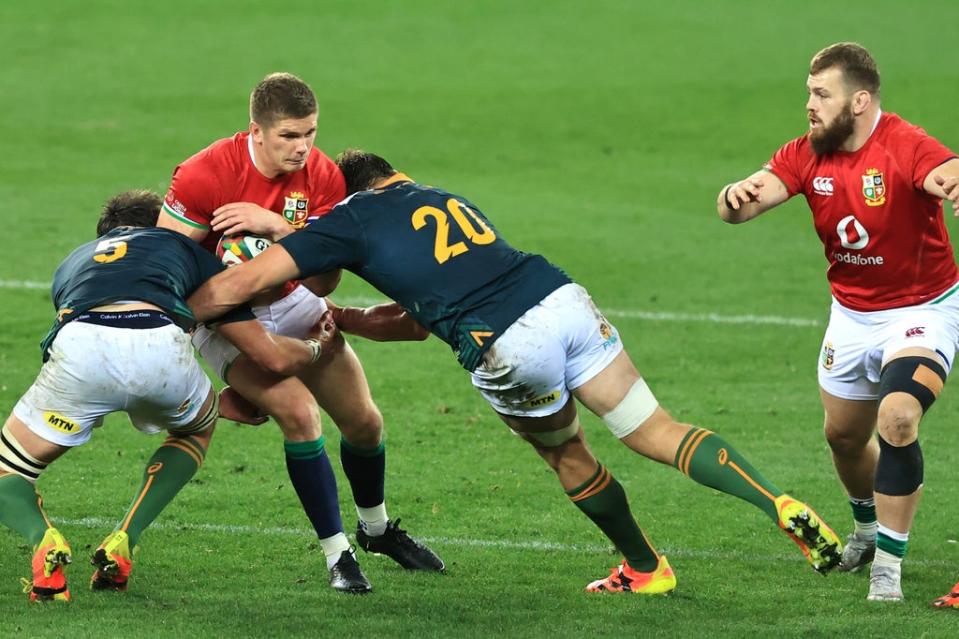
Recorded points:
(436, 255)
(156, 266)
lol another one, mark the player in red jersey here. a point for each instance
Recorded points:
(874, 183)
(271, 181)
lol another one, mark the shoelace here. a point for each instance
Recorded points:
(27, 585)
(400, 534)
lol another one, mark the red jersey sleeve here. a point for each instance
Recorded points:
(787, 164)
(193, 195)
(331, 186)
(928, 154)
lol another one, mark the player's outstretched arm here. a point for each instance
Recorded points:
(743, 200)
(240, 283)
(277, 354)
(943, 181)
(383, 323)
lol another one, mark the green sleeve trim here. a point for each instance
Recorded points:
(362, 452)
(169, 211)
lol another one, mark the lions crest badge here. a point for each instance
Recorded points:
(295, 209)
(874, 187)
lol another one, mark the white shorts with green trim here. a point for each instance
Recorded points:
(94, 370)
(556, 346)
(292, 316)
(857, 344)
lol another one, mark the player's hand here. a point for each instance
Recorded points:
(326, 332)
(951, 187)
(246, 217)
(235, 407)
(740, 193)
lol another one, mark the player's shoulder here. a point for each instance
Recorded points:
(894, 129)
(225, 153)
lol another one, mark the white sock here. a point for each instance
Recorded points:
(866, 531)
(373, 520)
(884, 558)
(333, 547)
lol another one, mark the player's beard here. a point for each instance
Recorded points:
(829, 139)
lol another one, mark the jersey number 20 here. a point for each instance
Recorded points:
(442, 249)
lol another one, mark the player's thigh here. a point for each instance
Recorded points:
(848, 422)
(82, 381)
(167, 388)
(286, 399)
(339, 384)
(18, 435)
(850, 357)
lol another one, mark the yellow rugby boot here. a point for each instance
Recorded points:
(49, 557)
(820, 545)
(113, 561)
(622, 578)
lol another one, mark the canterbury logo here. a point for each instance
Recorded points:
(852, 234)
(822, 185)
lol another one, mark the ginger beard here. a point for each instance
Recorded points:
(826, 139)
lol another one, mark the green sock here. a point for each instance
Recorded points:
(603, 500)
(709, 460)
(20, 508)
(168, 471)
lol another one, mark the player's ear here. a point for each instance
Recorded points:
(861, 101)
(256, 131)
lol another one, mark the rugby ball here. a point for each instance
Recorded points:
(236, 249)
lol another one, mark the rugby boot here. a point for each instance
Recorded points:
(622, 578)
(400, 547)
(885, 583)
(49, 557)
(113, 561)
(347, 576)
(858, 552)
(819, 544)
(948, 601)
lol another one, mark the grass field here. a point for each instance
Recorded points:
(597, 133)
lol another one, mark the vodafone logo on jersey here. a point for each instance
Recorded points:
(853, 235)
(822, 185)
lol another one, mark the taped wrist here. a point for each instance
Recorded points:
(900, 469)
(316, 347)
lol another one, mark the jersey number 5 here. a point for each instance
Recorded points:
(111, 250)
(442, 249)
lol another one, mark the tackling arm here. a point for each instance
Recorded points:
(742, 201)
(943, 181)
(238, 284)
(284, 356)
(382, 323)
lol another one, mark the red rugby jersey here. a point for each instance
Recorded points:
(224, 172)
(884, 237)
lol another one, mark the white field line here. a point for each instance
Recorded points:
(501, 544)
(653, 316)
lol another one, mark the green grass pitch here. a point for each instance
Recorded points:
(597, 133)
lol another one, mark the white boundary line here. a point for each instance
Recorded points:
(501, 544)
(652, 316)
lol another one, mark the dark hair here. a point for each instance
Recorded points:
(137, 207)
(279, 96)
(361, 169)
(858, 67)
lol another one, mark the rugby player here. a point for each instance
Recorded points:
(271, 181)
(874, 183)
(530, 338)
(120, 342)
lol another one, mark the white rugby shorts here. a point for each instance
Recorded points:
(857, 344)
(555, 347)
(93, 370)
(292, 316)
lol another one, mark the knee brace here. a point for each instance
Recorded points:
(554, 438)
(900, 469)
(921, 377)
(16, 460)
(635, 408)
